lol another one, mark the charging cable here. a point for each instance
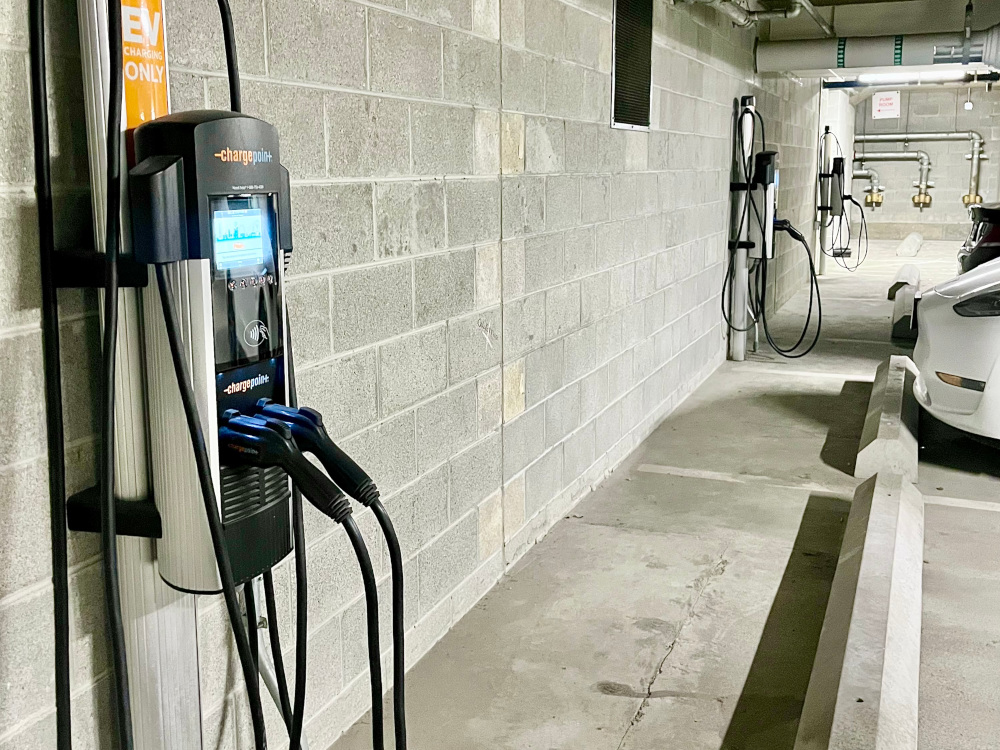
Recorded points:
(310, 434)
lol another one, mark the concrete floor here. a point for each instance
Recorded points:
(679, 605)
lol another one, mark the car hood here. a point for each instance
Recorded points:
(984, 278)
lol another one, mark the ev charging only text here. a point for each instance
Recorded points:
(142, 30)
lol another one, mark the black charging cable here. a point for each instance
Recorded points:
(203, 463)
(109, 530)
(311, 436)
(271, 606)
(53, 374)
(264, 441)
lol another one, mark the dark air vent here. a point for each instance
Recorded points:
(633, 31)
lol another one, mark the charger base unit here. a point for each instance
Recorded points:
(209, 201)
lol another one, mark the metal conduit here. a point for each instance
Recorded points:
(975, 157)
(922, 199)
(742, 17)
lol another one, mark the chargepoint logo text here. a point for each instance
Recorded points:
(242, 386)
(243, 156)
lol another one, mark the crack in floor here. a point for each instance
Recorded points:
(706, 578)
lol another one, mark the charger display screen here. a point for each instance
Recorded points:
(238, 238)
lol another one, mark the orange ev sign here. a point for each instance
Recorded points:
(144, 61)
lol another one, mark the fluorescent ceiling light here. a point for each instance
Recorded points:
(930, 76)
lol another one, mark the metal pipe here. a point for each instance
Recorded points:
(744, 18)
(873, 197)
(922, 199)
(975, 157)
(817, 57)
(824, 25)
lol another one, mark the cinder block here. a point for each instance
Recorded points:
(544, 261)
(20, 287)
(409, 218)
(372, 304)
(474, 344)
(343, 391)
(404, 55)
(579, 452)
(22, 433)
(564, 88)
(326, 647)
(513, 268)
(368, 136)
(513, 507)
(523, 440)
(595, 297)
(594, 393)
(596, 103)
(608, 428)
(475, 474)
(315, 40)
(595, 198)
(420, 512)
(490, 526)
(562, 310)
(523, 199)
(445, 286)
(473, 211)
(449, 12)
(489, 401)
(623, 196)
(544, 145)
(187, 91)
(581, 353)
(523, 76)
(412, 368)
(514, 389)
(488, 269)
(523, 325)
(443, 139)
(511, 143)
(25, 657)
(386, 452)
(451, 558)
(581, 256)
(544, 27)
(471, 68)
(610, 244)
(446, 425)
(486, 18)
(308, 303)
(512, 23)
(296, 112)
(333, 226)
(562, 414)
(636, 151)
(24, 558)
(487, 146)
(195, 43)
(588, 39)
(543, 481)
(544, 372)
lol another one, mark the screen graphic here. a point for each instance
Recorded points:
(238, 238)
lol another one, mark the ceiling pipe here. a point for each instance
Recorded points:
(873, 193)
(821, 57)
(744, 18)
(975, 156)
(922, 199)
(824, 25)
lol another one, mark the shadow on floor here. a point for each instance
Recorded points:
(943, 445)
(843, 415)
(767, 713)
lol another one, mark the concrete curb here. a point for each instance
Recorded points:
(908, 274)
(904, 313)
(910, 245)
(889, 438)
(863, 691)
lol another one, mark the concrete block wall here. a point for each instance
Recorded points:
(495, 298)
(934, 111)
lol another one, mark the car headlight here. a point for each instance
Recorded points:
(981, 306)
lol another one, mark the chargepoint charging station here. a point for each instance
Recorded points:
(202, 438)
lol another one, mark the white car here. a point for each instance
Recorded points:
(958, 351)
